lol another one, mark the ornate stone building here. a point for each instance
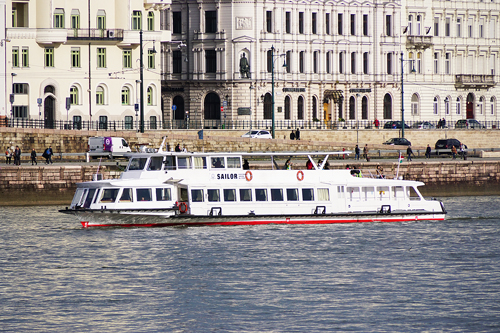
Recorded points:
(343, 61)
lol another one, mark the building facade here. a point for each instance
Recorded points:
(79, 61)
(212, 64)
(344, 61)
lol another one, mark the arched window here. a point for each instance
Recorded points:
(300, 108)
(435, 106)
(99, 95)
(447, 105)
(125, 96)
(288, 106)
(414, 105)
(212, 106)
(459, 105)
(481, 105)
(150, 95)
(364, 108)
(492, 105)
(470, 106)
(179, 107)
(387, 106)
(73, 95)
(314, 108)
(268, 106)
(352, 108)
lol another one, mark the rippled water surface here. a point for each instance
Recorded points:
(379, 277)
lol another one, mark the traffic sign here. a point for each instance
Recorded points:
(174, 107)
(224, 103)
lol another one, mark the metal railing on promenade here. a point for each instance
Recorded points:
(230, 124)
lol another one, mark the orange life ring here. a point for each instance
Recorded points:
(300, 175)
(248, 176)
(183, 207)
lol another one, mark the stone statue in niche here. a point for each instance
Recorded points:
(244, 67)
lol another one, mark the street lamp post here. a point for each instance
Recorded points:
(272, 86)
(402, 95)
(141, 121)
(402, 99)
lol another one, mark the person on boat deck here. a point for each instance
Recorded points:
(327, 166)
(309, 165)
(178, 148)
(288, 165)
(246, 166)
(218, 163)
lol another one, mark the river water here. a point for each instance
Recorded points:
(379, 277)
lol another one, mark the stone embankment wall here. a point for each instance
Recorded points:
(71, 141)
(51, 184)
(54, 184)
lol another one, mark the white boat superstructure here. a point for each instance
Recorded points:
(180, 188)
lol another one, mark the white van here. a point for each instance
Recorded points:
(108, 145)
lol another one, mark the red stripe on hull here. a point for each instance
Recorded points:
(86, 224)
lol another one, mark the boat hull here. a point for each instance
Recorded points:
(127, 219)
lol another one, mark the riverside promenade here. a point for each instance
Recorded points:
(55, 184)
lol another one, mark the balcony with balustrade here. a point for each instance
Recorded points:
(474, 81)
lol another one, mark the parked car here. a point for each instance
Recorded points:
(258, 134)
(424, 125)
(398, 141)
(468, 123)
(443, 146)
(394, 124)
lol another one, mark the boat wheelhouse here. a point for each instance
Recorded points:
(180, 188)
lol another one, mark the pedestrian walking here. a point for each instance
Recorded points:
(409, 152)
(17, 156)
(428, 152)
(365, 153)
(454, 152)
(8, 156)
(356, 153)
(33, 157)
(297, 134)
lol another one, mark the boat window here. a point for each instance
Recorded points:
(143, 194)
(412, 193)
(368, 193)
(163, 194)
(200, 162)
(307, 194)
(277, 194)
(234, 162)
(183, 194)
(169, 163)
(183, 162)
(323, 194)
(88, 199)
(197, 195)
(260, 194)
(353, 193)
(137, 163)
(79, 197)
(399, 192)
(126, 195)
(245, 194)
(109, 195)
(213, 195)
(383, 192)
(292, 194)
(340, 192)
(229, 195)
(97, 195)
(155, 163)
(217, 162)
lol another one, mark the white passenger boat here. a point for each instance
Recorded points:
(181, 188)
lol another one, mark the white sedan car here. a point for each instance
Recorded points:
(258, 134)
